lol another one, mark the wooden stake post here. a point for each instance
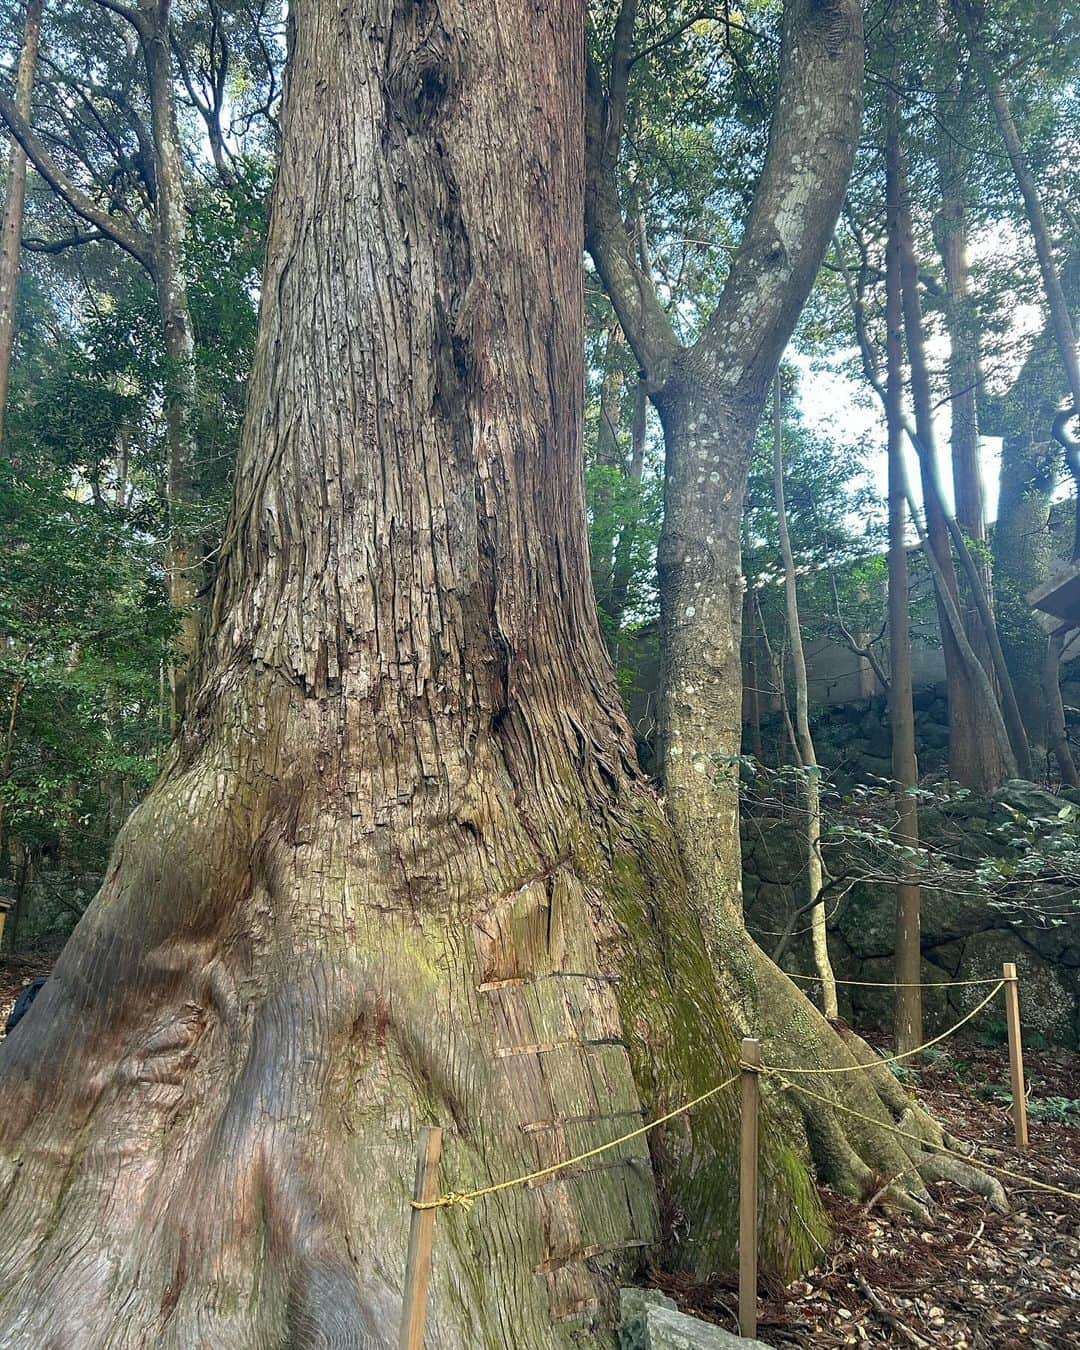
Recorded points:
(748, 1188)
(421, 1230)
(1016, 1054)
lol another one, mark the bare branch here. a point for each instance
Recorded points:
(131, 240)
(59, 245)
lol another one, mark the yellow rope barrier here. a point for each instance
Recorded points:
(888, 984)
(916, 1139)
(893, 1059)
(468, 1198)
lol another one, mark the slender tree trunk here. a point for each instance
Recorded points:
(623, 563)
(973, 758)
(951, 233)
(11, 229)
(811, 771)
(183, 566)
(609, 459)
(18, 908)
(17, 687)
(908, 955)
(752, 680)
(1057, 731)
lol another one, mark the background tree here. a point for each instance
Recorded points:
(14, 196)
(807, 756)
(119, 168)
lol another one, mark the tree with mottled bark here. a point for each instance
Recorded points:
(709, 396)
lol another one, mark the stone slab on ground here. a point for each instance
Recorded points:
(650, 1320)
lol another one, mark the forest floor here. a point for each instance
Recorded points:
(974, 1279)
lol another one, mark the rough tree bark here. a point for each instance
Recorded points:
(400, 865)
(11, 229)
(908, 953)
(807, 754)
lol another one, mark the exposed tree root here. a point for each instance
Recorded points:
(865, 1134)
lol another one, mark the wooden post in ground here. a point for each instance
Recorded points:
(1016, 1054)
(748, 1187)
(4, 907)
(421, 1230)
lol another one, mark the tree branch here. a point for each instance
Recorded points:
(59, 245)
(128, 13)
(812, 145)
(632, 292)
(131, 240)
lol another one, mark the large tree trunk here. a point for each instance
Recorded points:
(400, 865)
(11, 229)
(1030, 466)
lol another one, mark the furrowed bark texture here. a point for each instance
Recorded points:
(400, 867)
(11, 229)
